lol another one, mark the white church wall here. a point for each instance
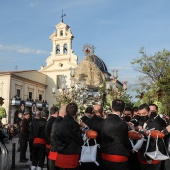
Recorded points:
(33, 75)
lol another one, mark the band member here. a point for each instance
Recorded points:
(53, 116)
(149, 121)
(95, 124)
(39, 143)
(135, 111)
(88, 114)
(19, 122)
(127, 114)
(33, 129)
(154, 116)
(115, 144)
(24, 136)
(69, 139)
(53, 148)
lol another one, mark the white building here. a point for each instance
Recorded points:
(36, 86)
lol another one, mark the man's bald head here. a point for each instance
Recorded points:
(98, 110)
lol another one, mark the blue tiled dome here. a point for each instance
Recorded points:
(99, 62)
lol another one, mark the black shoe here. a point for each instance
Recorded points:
(23, 160)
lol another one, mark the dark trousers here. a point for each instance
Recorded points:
(23, 146)
(89, 166)
(47, 150)
(19, 136)
(31, 147)
(38, 155)
(134, 163)
(107, 165)
(150, 166)
(162, 166)
(51, 165)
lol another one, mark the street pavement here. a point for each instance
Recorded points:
(18, 165)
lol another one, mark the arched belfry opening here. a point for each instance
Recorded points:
(65, 49)
(61, 33)
(58, 49)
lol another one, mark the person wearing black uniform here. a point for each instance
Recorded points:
(18, 122)
(69, 140)
(88, 114)
(38, 156)
(95, 124)
(115, 144)
(128, 117)
(33, 129)
(152, 121)
(155, 116)
(53, 148)
(53, 115)
(135, 111)
(24, 136)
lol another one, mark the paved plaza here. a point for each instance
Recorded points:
(18, 165)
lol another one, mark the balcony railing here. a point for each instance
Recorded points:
(15, 102)
(28, 103)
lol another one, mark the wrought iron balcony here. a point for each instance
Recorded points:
(29, 103)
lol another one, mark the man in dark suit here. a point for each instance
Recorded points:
(150, 120)
(38, 127)
(53, 149)
(95, 124)
(53, 115)
(115, 144)
(68, 140)
(88, 114)
(24, 136)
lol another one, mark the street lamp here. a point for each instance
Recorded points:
(111, 85)
(61, 98)
(72, 83)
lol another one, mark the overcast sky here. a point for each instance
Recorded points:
(116, 28)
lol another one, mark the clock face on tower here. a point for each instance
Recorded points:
(88, 49)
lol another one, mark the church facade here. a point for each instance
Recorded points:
(24, 89)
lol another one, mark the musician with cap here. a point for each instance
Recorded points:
(149, 120)
(115, 144)
(38, 156)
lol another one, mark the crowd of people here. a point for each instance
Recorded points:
(58, 136)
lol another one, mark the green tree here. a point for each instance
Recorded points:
(164, 93)
(154, 71)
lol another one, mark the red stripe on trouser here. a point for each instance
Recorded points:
(52, 155)
(39, 140)
(67, 161)
(145, 162)
(153, 162)
(114, 158)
